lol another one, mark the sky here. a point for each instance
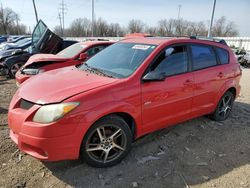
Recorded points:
(149, 11)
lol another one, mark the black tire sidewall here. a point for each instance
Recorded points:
(215, 115)
(115, 120)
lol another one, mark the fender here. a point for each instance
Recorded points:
(93, 115)
(229, 84)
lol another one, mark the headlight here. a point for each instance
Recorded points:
(32, 71)
(53, 112)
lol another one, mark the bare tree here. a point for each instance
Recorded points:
(80, 27)
(101, 28)
(7, 19)
(136, 26)
(152, 31)
(115, 30)
(166, 27)
(196, 29)
(223, 28)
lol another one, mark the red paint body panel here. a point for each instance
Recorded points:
(56, 60)
(152, 105)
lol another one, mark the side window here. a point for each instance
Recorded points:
(203, 56)
(94, 50)
(223, 55)
(173, 60)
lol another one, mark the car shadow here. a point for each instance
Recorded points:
(190, 153)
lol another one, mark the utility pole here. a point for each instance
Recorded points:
(211, 21)
(17, 24)
(93, 18)
(34, 5)
(60, 20)
(62, 13)
(179, 11)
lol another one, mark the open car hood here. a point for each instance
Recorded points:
(60, 84)
(40, 58)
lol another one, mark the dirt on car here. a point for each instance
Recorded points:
(196, 153)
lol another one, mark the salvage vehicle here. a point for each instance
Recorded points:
(73, 55)
(3, 39)
(131, 88)
(21, 44)
(43, 41)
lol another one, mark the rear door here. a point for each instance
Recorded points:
(44, 40)
(208, 76)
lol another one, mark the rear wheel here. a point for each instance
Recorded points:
(14, 68)
(224, 107)
(107, 142)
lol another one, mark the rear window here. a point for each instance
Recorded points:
(223, 55)
(203, 56)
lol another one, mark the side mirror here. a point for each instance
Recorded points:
(83, 56)
(153, 76)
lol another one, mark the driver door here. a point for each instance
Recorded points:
(169, 101)
(44, 40)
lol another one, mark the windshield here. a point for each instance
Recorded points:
(72, 50)
(119, 60)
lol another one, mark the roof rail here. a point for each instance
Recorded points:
(222, 41)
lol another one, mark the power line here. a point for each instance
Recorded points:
(60, 20)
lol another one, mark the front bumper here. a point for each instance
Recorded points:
(56, 141)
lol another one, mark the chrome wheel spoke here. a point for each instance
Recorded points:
(227, 102)
(98, 147)
(116, 132)
(118, 147)
(99, 134)
(106, 156)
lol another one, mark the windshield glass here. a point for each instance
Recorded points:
(72, 50)
(120, 60)
(38, 32)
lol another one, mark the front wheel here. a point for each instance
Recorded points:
(14, 68)
(224, 107)
(107, 142)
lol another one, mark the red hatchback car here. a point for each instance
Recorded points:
(73, 55)
(131, 88)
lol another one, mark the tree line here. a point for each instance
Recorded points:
(81, 27)
(9, 23)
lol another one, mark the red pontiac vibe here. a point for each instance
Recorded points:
(73, 55)
(131, 88)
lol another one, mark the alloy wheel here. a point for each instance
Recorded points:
(225, 106)
(106, 143)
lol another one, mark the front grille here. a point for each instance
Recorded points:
(24, 104)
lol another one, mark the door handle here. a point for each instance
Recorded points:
(220, 75)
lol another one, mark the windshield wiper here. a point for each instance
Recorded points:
(97, 71)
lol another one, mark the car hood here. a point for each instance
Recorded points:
(45, 58)
(60, 84)
(8, 46)
(6, 53)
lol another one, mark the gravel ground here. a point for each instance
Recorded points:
(197, 153)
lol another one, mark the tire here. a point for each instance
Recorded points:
(107, 142)
(224, 107)
(14, 68)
